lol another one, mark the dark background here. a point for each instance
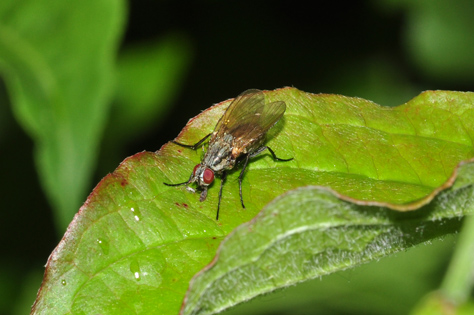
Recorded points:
(241, 45)
(369, 49)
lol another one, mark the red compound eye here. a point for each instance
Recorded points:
(195, 169)
(208, 176)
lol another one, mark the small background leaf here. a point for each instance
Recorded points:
(432, 29)
(149, 77)
(136, 243)
(61, 96)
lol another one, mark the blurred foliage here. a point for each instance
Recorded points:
(387, 51)
(438, 37)
(149, 77)
(57, 60)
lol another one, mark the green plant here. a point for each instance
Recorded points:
(136, 243)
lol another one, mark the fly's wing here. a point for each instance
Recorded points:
(248, 119)
(243, 109)
(246, 135)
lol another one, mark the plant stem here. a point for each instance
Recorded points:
(459, 278)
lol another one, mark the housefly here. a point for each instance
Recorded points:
(239, 136)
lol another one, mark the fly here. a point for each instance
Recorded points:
(239, 136)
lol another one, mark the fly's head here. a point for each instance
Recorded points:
(203, 176)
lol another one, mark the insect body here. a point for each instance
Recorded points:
(239, 135)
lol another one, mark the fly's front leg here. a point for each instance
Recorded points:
(183, 183)
(192, 146)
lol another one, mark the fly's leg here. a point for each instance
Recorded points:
(203, 194)
(224, 175)
(183, 183)
(240, 179)
(192, 146)
(260, 150)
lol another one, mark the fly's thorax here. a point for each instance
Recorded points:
(219, 154)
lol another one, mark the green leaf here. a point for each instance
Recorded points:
(374, 288)
(308, 233)
(57, 58)
(431, 31)
(136, 243)
(149, 76)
